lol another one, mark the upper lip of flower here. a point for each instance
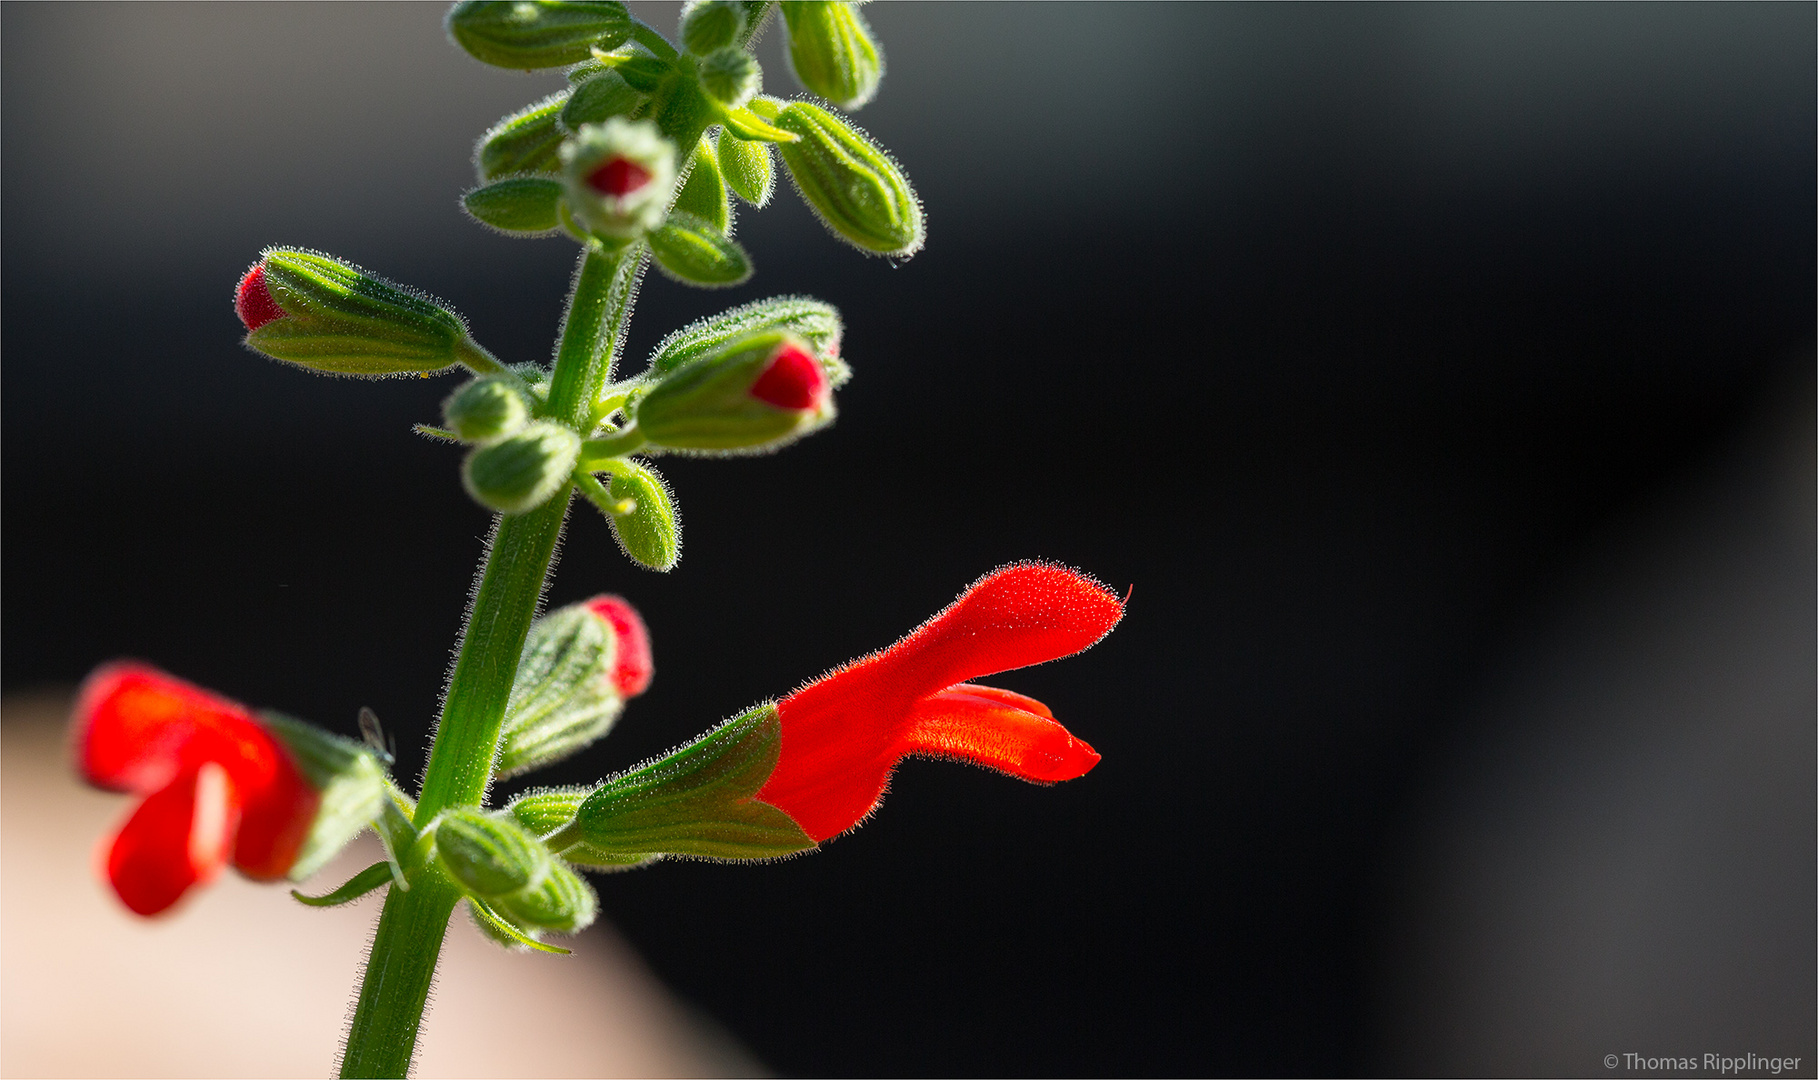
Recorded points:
(843, 733)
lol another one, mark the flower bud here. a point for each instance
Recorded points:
(757, 393)
(486, 410)
(747, 168)
(817, 323)
(490, 856)
(328, 315)
(691, 250)
(713, 24)
(579, 666)
(517, 205)
(527, 141)
(730, 76)
(620, 175)
(561, 902)
(598, 99)
(833, 52)
(651, 532)
(520, 472)
(853, 186)
(529, 34)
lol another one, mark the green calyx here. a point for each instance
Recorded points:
(530, 34)
(851, 183)
(524, 142)
(523, 470)
(747, 168)
(563, 698)
(696, 801)
(730, 76)
(815, 322)
(691, 250)
(517, 205)
(487, 410)
(342, 320)
(833, 52)
(712, 25)
(348, 776)
(704, 194)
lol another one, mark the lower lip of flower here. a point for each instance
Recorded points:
(793, 380)
(618, 177)
(253, 301)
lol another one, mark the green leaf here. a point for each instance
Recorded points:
(524, 142)
(530, 34)
(359, 885)
(691, 250)
(521, 205)
(563, 698)
(696, 800)
(748, 169)
(816, 322)
(703, 194)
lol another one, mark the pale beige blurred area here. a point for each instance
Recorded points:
(243, 981)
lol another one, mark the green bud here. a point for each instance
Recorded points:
(620, 175)
(819, 324)
(747, 168)
(600, 98)
(527, 141)
(694, 801)
(713, 24)
(703, 194)
(522, 471)
(327, 315)
(490, 856)
(690, 250)
(517, 205)
(348, 776)
(730, 76)
(564, 696)
(755, 394)
(529, 34)
(650, 532)
(833, 51)
(486, 410)
(561, 903)
(854, 187)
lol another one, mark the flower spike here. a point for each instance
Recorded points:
(844, 733)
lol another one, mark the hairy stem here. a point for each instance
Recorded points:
(382, 1038)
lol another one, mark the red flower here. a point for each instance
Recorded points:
(216, 784)
(844, 733)
(618, 177)
(793, 380)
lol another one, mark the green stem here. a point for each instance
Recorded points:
(382, 1038)
(618, 444)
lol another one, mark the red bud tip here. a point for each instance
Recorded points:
(253, 302)
(618, 177)
(632, 670)
(794, 380)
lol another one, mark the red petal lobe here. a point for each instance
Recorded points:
(253, 300)
(178, 837)
(633, 669)
(618, 177)
(792, 381)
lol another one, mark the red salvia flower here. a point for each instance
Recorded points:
(843, 733)
(217, 785)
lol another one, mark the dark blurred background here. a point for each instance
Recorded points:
(1352, 336)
